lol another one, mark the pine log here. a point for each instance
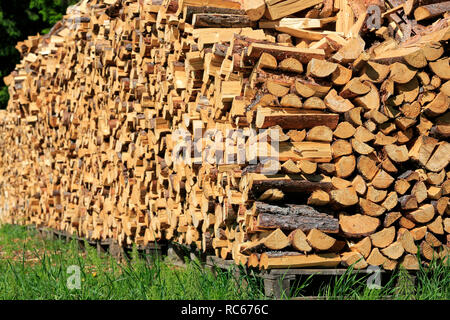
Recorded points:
(358, 225)
(293, 217)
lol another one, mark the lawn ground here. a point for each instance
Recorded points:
(35, 268)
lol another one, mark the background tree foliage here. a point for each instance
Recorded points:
(18, 20)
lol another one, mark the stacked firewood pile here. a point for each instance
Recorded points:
(354, 96)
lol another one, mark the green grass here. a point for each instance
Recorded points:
(34, 268)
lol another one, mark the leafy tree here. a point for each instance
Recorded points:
(18, 20)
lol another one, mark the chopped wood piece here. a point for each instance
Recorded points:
(336, 103)
(390, 218)
(397, 153)
(411, 110)
(277, 240)
(341, 75)
(320, 68)
(401, 73)
(422, 149)
(297, 135)
(254, 9)
(419, 233)
(382, 180)
(409, 90)
(213, 20)
(419, 191)
(298, 241)
(375, 195)
(277, 89)
(376, 258)
(339, 183)
(394, 250)
(290, 167)
(433, 50)
(382, 140)
(422, 215)
(367, 167)
(375, 72)
(291, 100)
(440, 159)
(410, 262)
(354, 259)
(406, 223)
(360, 185)
(432, 240)
(319, 240)
(407, 241)
(291, 65)
(370, 100)
(345, 166)
(319, 198)
(371, 209)
(387, 165)
(344, 197)
(354, 116)
(358, 225)
(344, 130)
(427, 251)
(447, 225)
(354, 88)
(267, 61)
(436, 226)
(341, 148)
(363, 247)
(408, 202)
(314, 103)
(307, 167)
(383, 238)
(320, 133)
(279, 9)
(438, 106)
(391, 201)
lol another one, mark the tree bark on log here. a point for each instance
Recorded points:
(294, 217)
(289, 186)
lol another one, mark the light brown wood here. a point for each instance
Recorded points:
(336, 103)
(319, 240)
(354, 259)
(376, 258)
(319, 198)
(298, 241)
(422, 215)
(344, 197)
(364, 247)
(407, 241)
(383, 238)
(358, 225)
(393, 251)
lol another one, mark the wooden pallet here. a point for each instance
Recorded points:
(279, 283)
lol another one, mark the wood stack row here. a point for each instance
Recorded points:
(360, 116)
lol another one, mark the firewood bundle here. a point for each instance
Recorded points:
(359, 116)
